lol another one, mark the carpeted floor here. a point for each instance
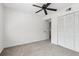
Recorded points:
(41, 48)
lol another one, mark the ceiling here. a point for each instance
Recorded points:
(28, 8)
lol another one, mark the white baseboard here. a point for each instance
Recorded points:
(21, 43)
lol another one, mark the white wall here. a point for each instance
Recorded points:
(1, 27)
(22, 28)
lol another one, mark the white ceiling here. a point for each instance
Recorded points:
(28, 8)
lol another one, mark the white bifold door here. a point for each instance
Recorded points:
(66, 31)
(60, 31)
(77, 31)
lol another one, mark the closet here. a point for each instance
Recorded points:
(77, 31)
(68, 31)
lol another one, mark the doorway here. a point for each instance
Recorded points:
(49, 28)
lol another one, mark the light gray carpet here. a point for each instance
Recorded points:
(41, 48)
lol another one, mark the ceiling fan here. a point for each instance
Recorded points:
(45, 8)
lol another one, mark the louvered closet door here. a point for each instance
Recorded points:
(69, 31)
(66, 31)
(77, 31)
(60, 30)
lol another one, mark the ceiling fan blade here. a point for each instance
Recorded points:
(48, 4)
(37, 6)
(39, 10)
(51, 9)
(45, 11)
